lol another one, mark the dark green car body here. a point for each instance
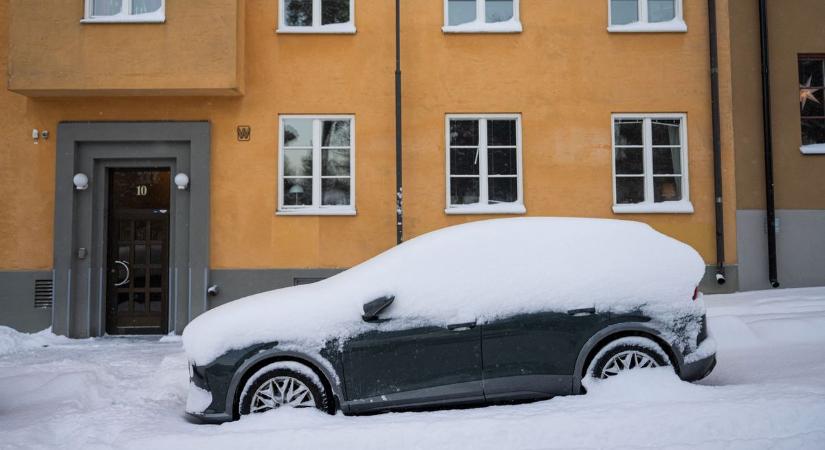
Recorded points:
(520, 358)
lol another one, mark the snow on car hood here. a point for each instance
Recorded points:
(476, 271)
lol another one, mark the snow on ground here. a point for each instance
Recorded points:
(768, 391)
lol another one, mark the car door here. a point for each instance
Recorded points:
(416, 367)
(532, 356)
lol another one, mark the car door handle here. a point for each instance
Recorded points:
(461, 326)
(583, 312)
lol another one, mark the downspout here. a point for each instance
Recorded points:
(399, 186)
(717, 144)
(768, 144)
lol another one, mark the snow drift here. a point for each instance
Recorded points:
(477, 271)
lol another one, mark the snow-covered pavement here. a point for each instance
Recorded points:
(768, 391)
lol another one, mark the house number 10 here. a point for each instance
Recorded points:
(142, 190)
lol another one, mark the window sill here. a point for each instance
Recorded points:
(673, 26)
(126, 19)
(813, 149)
(486, 209)
(680, 207)
(328, 29)
(316, 212)
(511, 26)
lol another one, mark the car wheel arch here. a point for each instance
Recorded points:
(604, 337)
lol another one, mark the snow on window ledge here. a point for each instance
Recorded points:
(680, 207)
(477, 26)
(672, 26)
(152, 17)
(316, 212)
(500, 208)
(813, 149)
(338, 28)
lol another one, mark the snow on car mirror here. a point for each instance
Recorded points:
(373, 308)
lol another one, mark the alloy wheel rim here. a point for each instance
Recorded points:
(282, 391)
(627, 360)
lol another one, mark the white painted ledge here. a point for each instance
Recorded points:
(510, 26)
(813, 149)
(316, 212)
(346, 28)
(500, 208)
(673, 26)
(681, 207)
(155, 17)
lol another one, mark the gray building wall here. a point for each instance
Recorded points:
(17, 308)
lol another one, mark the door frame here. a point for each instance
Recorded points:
(93, 148)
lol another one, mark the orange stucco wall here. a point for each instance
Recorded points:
(565, 75)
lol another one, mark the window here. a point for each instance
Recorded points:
(481, 16)
(812, 103)
(316, 165)
(650, 164)
(635, 16)
(484, 164)
(316, 16)
(130, 11)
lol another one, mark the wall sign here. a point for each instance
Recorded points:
(244, 132)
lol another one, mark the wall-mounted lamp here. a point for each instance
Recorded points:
(81, 181)
(182, 181)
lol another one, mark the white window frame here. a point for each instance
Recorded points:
(125, 16)
(483, 206)
(316, 27)
(480, 25)
(677, 25)
(316, 209)
(683, 206)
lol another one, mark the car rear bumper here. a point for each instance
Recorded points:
(694, 369)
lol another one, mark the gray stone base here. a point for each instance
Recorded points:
(710, 285)
(236, 283)
(17, 308)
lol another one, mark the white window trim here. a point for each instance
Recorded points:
(813, 149)
(683, 206)
(158, 16)
(482, 207)
(316, 27)
(480, 25)
(677, 25)
(316, 209)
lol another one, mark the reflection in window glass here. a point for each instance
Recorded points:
(630, 190)
(503, 190)
(335, 191)
(661, 10)
(498, 10)
(106, 7)
(145, 6)
(461, 11)
(298, 162)
(334, 11)
(464, 190)
(298, 13)
(298, 132)
(335, 162)
(623, 12)
(812, 99)
(335, 133)
(464, 161)
(297, 191)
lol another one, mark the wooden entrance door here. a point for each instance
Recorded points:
(137, 300)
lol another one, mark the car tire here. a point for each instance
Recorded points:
(624, 354)
(285, 383)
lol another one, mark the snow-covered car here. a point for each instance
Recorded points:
(491, 311)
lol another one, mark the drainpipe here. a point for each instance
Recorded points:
(768, 143)
(399, 186)
(717, 144)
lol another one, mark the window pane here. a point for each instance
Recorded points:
(623, 12)
(501, 132)
(298, 13)
(155, 278)
(463, 191)
(502, 161)
(122, 301)
(464, 161)
(629, 161)
(334, 11)
(810, 71)
(155, 301)
(335, 133)
(155, 254)
(630, 190)
(297, 191)
(145, 6)
(667, 189)
(139, 278)
(139, 299)
(667, 161)
(661, 10)
(628, 132)
(813, 131)
(335, 191)
(297, 163)
(463, 132)
(140, 254)
(106, 7)
(298, 132)
(461, 11)
(665, 131)
(503, 190)
(335, 162)
(811, 102)
(499, 10)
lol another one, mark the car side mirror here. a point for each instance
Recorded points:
(373, 308)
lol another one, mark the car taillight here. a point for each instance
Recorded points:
(696, 293)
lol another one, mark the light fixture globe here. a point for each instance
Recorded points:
(182, 181)
(81, 181)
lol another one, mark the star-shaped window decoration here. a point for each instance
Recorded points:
(806, 92)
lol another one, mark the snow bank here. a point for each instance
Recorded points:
(12, 341)
(477, 271)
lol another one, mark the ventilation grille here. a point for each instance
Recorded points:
(43, 293)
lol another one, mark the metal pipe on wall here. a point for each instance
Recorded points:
(399, 186)
(717, 144)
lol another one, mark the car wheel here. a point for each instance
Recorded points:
(283, 384)
(625, 354)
